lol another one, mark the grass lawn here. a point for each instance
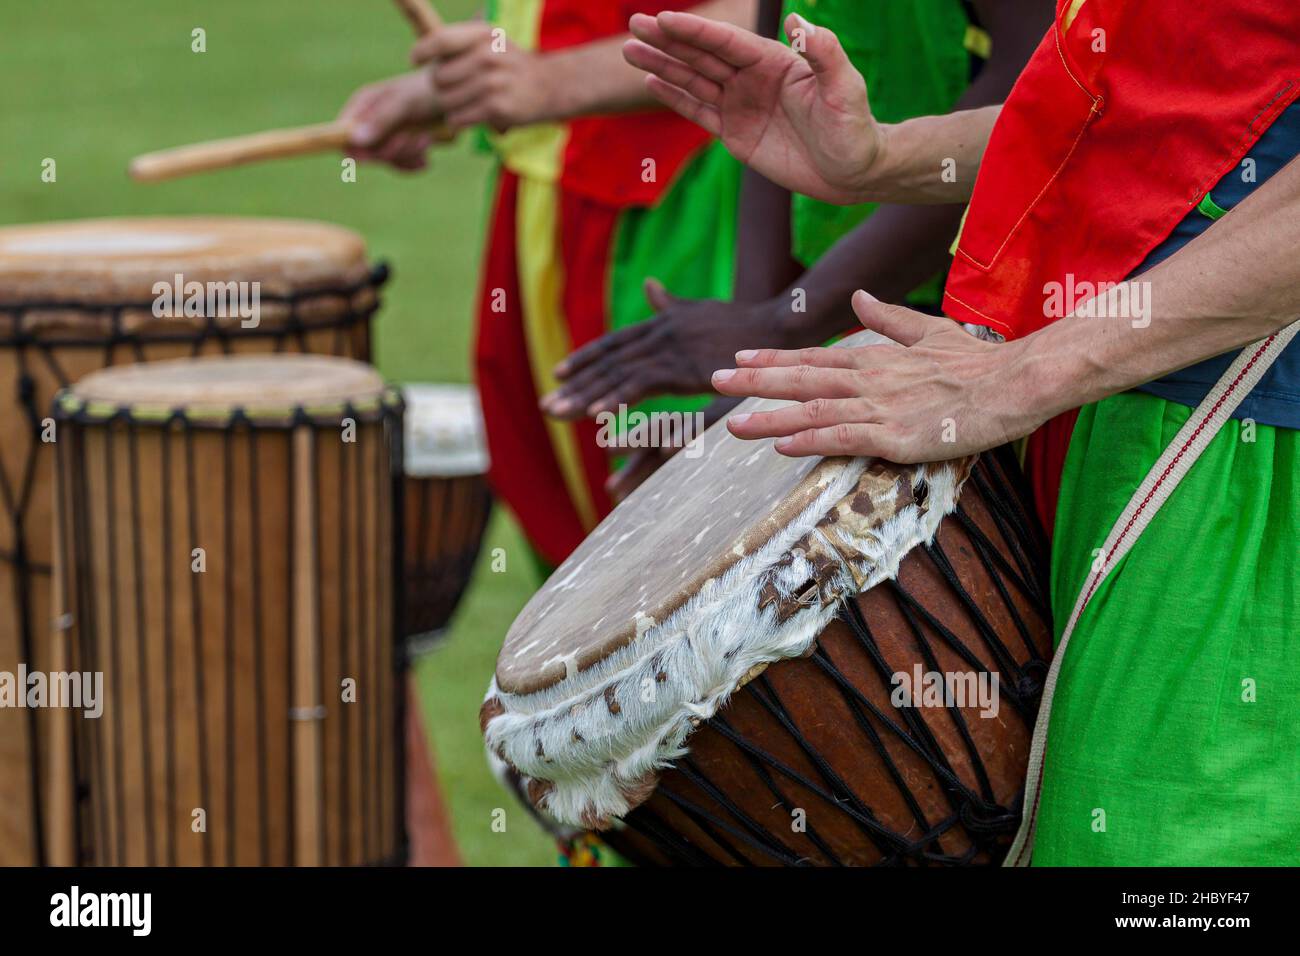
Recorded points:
(90, 84)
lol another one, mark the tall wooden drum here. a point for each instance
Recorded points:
(447, 503)
(227, 554)
(78, 296)
(759, 660)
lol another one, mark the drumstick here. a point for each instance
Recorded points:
(238, 150)
(421, 15)
(426, 21)
(272, 144)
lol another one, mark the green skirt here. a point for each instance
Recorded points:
(1175, 732)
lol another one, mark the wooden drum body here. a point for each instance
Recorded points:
(792, 661)
(79, 296)
(226, 561)
(447, 502)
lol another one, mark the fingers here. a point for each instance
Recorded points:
(701, 114)
(658, 296)
(458, 97)
(792, 419)
(452, 40)
(821, 49)
(450, 73)
(775, 358)
(896, 322)
(650, 36)
(603, 388)
(671, 71)
(599, 348)
(799, 383)
(844, 439)
(732, 45)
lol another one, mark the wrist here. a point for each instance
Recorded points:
(551, 92)
(865, 186)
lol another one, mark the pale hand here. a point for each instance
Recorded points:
(800, 119)
(392, 121)
(939, 393)
(480, 77)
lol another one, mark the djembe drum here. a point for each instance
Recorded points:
(713, 676)
(227, 558)
(77, 296)
(447, 503)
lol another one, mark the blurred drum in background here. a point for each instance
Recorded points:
(227, 551)
(78, 296)
(447, 503)
(761, 660)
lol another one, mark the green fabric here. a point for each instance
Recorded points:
(1210, 209)
(687, 241)
(914, 59)
(1152, 724)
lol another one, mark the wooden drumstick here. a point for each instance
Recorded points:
(421, 15)
(426, 21)
(272, 144)
(238, 150)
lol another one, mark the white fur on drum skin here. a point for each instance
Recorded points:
(595, 745)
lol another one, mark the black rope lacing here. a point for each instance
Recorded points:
(973, 807)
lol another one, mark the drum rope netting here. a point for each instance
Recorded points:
(28, 347)
(988, 823)
(76, 553)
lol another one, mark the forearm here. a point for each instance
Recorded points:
(764, 265)
(900, 247)
(1235, 284)
(930, 159)
(595, 78)
(890, 254)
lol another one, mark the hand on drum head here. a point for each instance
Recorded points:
(800, 118)
(673, 353)
(392, 121)
(940, 393)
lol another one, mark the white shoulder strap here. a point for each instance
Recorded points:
(1192, 439)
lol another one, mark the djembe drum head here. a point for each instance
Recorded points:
(79, 296)
(227, 546)
(713, 676)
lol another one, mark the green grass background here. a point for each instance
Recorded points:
(92, 83)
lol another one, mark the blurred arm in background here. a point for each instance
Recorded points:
(480, 79)
(466, 77)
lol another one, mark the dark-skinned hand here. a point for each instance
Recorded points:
(674, 353)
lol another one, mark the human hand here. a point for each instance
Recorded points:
(938, 393)
(480, 77)
(798, 115)
(673, 353)
(392, 121)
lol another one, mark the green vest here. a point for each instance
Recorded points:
(913, 55)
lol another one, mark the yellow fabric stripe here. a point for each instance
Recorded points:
(541, 284)
(1075, 7)
(535, 151)
(977, 42)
